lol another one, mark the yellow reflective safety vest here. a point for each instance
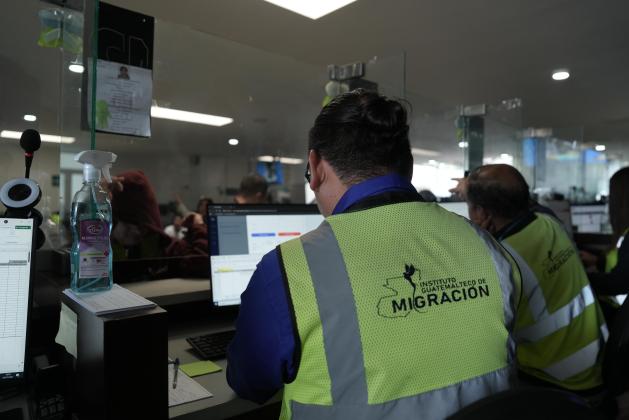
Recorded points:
(403, 311)
(560, 328)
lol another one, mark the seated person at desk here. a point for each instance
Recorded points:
(253, 190)
(368, 315)
(560, 328)
(176, 229)
(613, 278)
(137, 228)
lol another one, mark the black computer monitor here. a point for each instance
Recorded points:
(16, 272)
(240, 235)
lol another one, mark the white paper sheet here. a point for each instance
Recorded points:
(187, 390)
(118, 299)
(66, 336)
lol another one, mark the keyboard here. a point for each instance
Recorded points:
(212, 346)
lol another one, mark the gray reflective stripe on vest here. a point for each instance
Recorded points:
(546, 323)
(505, 276)
(341, 337)
(579, 361)
(436, 404)
(559, 319)
(339, 320)
(530, 285)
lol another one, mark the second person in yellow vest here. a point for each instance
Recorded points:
(560, 328)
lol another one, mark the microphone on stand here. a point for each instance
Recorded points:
(30, 141)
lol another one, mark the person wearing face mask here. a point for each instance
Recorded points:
(560, 328)
(393, 308)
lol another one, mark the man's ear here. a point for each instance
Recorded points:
(484, 219)
(317, 172)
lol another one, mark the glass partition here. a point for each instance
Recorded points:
(271, 102)
(441, 139)
(271, 99)
(42, 47)
(436, 146)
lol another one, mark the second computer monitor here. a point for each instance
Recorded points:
(240, 235)
(16, 272)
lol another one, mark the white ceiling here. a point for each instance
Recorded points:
(270, 78)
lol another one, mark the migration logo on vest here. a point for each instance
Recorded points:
(408, 293)
(554, 262)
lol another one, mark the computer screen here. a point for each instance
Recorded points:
(240, 235)
(16, 247)
(592, 218)
(459, 208)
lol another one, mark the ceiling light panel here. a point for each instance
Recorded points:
(49, 138)
(191, 117)
(313, 9)
(561, 74)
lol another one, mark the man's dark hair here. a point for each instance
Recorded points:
(499, 189)
(363, 135)
(253, 184)
(619, 201)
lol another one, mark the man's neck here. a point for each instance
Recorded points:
(500, 223)
(507, 227)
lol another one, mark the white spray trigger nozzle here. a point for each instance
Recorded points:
(96, 160)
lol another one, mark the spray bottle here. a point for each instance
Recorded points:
(91, 254)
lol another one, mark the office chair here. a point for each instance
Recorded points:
(529, 403)
(616, 361)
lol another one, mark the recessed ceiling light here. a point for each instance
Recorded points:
(191, 117)
(600, 148)
(282, 159)
(233, 142)
(30, 117)
(561, 74)
(463, 144)
(49, 138)
(76, 68)
(314, 9)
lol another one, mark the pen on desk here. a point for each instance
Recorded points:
(176, 367)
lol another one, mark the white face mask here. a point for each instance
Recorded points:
(127, 234)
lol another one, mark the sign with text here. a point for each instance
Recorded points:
(124, 74)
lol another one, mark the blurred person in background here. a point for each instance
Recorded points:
(253, 190)
(176, 229)
(137, 229)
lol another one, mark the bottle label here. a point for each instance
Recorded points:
(94, 249)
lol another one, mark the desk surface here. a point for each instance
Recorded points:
(225, 403)
(172, 291)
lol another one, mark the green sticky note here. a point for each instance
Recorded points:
(199, 368)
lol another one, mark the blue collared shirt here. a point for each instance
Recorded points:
(261, 358)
